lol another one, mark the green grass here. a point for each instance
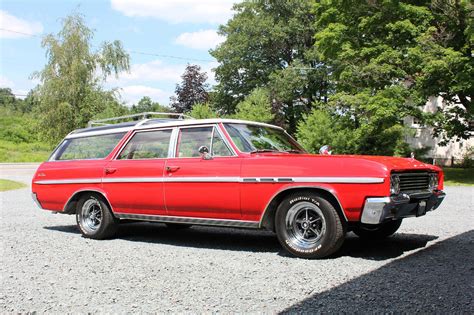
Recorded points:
(23, 152)
(458, 176)
(6, 184)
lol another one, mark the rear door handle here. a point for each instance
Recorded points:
(109, 170)
(172, 169)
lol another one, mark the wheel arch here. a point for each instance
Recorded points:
(267, 220)
(70, 205)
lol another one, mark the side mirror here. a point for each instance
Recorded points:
(325, 150)
(204, 152)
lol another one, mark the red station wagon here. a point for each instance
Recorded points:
(232, 173)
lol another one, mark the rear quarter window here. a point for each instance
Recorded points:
(87, 148)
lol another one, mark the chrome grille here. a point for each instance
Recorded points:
(414, 181)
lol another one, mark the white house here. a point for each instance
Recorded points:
(452, 153)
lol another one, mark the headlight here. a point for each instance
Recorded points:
(394, 185)
(433, 181)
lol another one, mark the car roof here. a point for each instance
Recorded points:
(156, 123)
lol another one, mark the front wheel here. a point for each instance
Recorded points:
(376, 232)
(94, 218)
(308, 226)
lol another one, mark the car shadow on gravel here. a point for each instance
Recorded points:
(438, 279)
(255, 240)
(197, 236)
(388, 248)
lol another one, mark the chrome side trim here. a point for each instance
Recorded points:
(358, 180)
(341, 180)
(189, 220)
(69, 181)
(172, 180)
(215, 179)
(133, 180)
(201, 179)
(299, 187)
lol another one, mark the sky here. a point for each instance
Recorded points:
(161, 36)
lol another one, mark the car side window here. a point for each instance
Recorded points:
(219, 148)
(191, 139)
(147, 145)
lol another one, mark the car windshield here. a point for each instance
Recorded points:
(257, 138)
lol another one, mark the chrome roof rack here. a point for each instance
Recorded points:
(139, 118)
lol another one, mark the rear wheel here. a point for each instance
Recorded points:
(308, 226)
(94, 217)
(376, 232)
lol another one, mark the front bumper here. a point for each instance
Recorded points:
(380, 209)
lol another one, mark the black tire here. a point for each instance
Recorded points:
(377, 232)
(308, 226)
(94, 217)
(178, 226)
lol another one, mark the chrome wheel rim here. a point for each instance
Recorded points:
(305, 225)
(91, 215)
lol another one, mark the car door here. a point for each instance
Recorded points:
(202, 187)
(133, 180)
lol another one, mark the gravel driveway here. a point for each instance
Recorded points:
(47, 266)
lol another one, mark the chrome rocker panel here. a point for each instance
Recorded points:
(189, 220)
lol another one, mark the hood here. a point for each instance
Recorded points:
(395, 163)
(386, 164)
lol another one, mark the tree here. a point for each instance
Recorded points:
(8, 99)
(70, 93)
(446, 66)
(145, 104)
(202, 111)
(266, 45)
(255, 107)
(387, 58)
(192, 90)
(11, 102)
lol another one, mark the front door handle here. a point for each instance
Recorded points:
(109, 170)
(172, 169)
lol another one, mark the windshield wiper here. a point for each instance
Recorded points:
(263, 151)
(294, 151)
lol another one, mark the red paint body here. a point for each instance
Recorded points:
(220, 200)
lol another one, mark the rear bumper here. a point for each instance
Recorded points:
(380, 209)
(35, 199)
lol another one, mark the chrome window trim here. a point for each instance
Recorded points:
(262, 125)
(189, 220)
(115, 158)
(216, 127)
(98, 133)
(226, 142)
(170, 124)
(173, 142)
(212, 121)
(52, 157)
